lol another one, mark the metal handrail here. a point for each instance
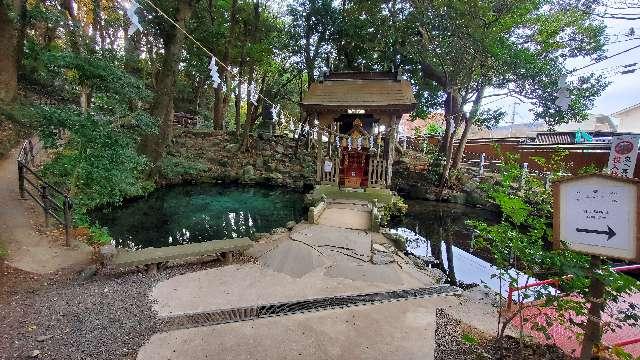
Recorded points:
(44, 191)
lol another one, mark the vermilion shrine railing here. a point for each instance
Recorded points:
(622, 269)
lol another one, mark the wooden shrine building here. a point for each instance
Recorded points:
(357, 114)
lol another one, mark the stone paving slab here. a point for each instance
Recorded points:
(355, 241)
(250, 284)
(403, 330)
(179, 252)
(346, 218)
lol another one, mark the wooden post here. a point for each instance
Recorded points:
(392, 148)
(21, 179)
(525, 171)
(66, 207)
(45, 204)
(319, 154)
(593, 327)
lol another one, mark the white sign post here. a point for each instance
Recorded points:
(623, 155)
(597, 215)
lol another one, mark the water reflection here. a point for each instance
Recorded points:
(196, 213)
(437, 233)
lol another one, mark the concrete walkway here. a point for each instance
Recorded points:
(398, 330)
(309, 262)
(352, 214)
(27, 249)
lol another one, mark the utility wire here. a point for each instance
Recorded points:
(603, 59)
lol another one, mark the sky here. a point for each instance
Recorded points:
(624, 90)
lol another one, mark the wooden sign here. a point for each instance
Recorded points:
(623, 155)
(598, 215)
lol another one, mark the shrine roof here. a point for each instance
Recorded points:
(360, 91)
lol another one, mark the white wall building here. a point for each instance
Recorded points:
(628, 119)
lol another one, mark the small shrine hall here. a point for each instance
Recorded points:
(357, 114)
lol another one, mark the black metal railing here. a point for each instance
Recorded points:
(56, 204)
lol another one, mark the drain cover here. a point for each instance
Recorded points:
(184, 321)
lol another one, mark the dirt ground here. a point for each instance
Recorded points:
(28, 248)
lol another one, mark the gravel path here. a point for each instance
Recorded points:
(106, 317)
(449, 343)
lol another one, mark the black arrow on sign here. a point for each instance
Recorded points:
(608, 232)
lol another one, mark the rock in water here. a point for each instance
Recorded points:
(382, 258)
(290, 225)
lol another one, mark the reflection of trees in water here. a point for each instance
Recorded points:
(442, 224)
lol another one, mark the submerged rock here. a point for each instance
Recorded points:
(382, 258)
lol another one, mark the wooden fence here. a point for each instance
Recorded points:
(577, 156)
(377, 172)
(55, 203)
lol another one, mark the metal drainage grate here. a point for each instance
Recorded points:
(185, 321)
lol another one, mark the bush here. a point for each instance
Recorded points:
(99, 236)
(394, 209)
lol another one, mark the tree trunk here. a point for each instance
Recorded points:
(21, 9)
(453, 115)
(222, 98)
(8, 64)
(72, 26)
(468, 123)
(155, 145)
(97, 24)
(238, 104)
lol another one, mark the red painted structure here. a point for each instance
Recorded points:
(564, 336)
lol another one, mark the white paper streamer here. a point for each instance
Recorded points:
(215, 77)
(274, 112)
(349, 143)
(131, 14)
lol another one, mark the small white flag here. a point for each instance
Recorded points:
(349, 143)
(359, 143)
(131, 13)
(275, 111)
(215, 77)
(371, 142)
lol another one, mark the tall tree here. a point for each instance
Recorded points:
(466, 47)
(154, 146)
(9, 57)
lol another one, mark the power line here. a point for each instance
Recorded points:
(603, 59)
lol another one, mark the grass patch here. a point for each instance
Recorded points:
(3, 252)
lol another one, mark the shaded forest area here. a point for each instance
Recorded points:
(101, 93)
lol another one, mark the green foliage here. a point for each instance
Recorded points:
(176, 168)
(522, 241)
(99, 236)
(3, 252)
(393, 209)
(96, 157)
(433, 129)
(469, 339)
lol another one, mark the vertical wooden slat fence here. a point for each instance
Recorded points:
(377, 172)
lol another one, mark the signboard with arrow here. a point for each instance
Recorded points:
(598, 215)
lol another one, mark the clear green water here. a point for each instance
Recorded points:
(196, 213)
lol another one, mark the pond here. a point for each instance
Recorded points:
(437, 232)
(195, 213)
